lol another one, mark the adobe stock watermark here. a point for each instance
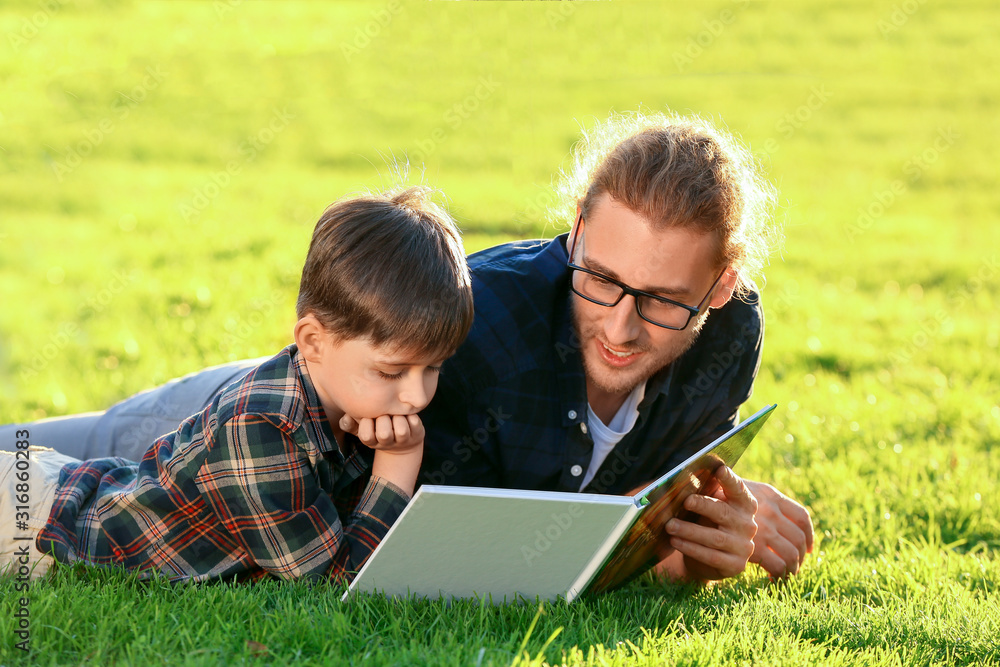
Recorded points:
(249, 149)
(241, 330)
(31, 26)
(464, 449)
(703, 40)
(985, 275)
(928, 329)
(455, 117)
(794, 120)
(379, 20)
(50, 349)
(559, 12)
(898, 16)
(545, 538)
(121, 108)
(913, 170)
(160, 413)
(707, 378)
(224, 7)
(537, 208)
(933, 326)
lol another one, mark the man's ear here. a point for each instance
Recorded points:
(310, 337)
(724, 292)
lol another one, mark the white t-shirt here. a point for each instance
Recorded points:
(606, 436)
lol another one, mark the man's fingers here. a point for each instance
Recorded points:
(785, 560)
(796, 539)
(710, 538)
(799, 516)
(772, 563)
(726, 564)
(723, 513)
(736, 490)
(776, 506)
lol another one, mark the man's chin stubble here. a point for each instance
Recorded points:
(625, 388)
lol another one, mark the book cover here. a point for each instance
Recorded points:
(643, 544)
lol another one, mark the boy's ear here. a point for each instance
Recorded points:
(310, 337)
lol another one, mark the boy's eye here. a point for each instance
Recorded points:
(388, 376)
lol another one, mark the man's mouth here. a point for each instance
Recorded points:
(622, 355)
(615, 357)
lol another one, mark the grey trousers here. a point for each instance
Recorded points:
(128, 428)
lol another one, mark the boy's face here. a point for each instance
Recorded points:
(357, 378)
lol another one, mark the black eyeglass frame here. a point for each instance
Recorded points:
(635, 293)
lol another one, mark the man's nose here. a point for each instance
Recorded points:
(623, 322)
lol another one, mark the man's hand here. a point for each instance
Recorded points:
(393, 433)
(720, 545)
(784, 531)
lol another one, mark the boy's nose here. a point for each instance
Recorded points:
(415, 394)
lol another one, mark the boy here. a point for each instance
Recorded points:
(299, 468)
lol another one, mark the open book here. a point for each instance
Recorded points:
(466, 542)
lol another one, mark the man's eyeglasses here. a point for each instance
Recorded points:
(606, 291)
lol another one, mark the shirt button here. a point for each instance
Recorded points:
(583, 427)
(576, 471)
(571, 414)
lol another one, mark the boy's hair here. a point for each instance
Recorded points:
(679, 171)
(389, 268)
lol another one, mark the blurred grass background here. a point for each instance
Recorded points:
(163, 164)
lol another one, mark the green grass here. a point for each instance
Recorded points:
(882, 337)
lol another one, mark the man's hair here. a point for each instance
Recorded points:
(389, 268)
(679, 171)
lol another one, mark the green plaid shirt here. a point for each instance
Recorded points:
(254, 485)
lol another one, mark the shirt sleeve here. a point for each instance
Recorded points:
(263, 488)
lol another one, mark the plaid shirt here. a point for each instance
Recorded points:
(253, 485)
(511, 406)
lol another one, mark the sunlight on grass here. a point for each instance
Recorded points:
(163, 166)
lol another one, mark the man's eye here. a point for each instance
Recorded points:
(660, 306)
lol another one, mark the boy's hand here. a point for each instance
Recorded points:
(397, 434)
(398, 441)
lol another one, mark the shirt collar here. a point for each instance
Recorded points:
(315, 420)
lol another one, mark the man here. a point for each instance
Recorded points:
(597, 360)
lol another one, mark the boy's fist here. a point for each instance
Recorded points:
(392, 433)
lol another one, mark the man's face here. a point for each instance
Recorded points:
(620, 349)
